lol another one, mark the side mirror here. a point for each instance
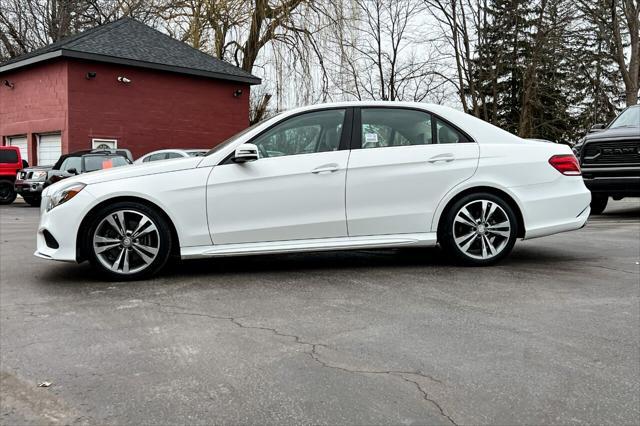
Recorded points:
(72, 171)
(597, 127)
(245, 153)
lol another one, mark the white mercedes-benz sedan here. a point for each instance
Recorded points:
(339, 176)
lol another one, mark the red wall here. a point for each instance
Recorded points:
(36, 104)
(156, 110)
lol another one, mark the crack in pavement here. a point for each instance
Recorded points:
(315, 356)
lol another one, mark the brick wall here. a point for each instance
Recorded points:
(156, 110)
(36, 104)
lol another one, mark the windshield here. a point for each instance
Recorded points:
(8, 156)
(628, 118)
(99, 162)
(235, 137)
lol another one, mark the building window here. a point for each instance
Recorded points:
(104, 143)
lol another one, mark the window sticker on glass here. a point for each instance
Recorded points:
(107, 164)
(371, 138)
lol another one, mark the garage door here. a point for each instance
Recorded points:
(49, 149)
(20, 142)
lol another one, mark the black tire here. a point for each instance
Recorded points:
(480, 238)
(7, 192)
(598, 203)
(32, 200)
(129, 249)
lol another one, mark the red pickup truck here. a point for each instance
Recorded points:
(10, 163)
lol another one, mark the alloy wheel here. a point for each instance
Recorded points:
(481, 229)
(126, 241)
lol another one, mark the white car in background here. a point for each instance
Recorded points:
(168, 154)
(340, 176)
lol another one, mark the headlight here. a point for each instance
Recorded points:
(64, 194)
(39, 175)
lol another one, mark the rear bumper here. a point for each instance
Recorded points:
(553, 207)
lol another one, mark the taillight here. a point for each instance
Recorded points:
(566, 164)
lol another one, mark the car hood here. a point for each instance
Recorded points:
(617, 133)
(36, 168)
(131, 171)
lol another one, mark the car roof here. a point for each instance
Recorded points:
(175, 150)
(478, 129)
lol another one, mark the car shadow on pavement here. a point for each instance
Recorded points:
(69, 275)
(629, 209)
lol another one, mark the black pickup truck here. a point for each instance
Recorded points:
(610, 159)
(32, 180)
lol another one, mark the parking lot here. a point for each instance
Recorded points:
(551, 335)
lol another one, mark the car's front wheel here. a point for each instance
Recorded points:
(128, 240)
(32, 200)
(479, 229)
(598, 203)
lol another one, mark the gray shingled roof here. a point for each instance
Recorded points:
(129, 42)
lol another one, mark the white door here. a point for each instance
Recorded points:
(408, 161)
(20, 142)
(49, 149)
(295, 190)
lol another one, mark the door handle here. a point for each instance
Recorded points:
(327, 168)
(448, 157)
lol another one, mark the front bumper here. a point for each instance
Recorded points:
(62, 224)
(629, 186)
(26, 187)
(613, 180)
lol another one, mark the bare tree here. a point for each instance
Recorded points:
(377, 55)
(26, 25)
(460, 22)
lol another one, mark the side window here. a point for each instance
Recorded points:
(156, 157)
(384, 127)
(303, 134)
(447, 134)
(71, 163)
(173, 155)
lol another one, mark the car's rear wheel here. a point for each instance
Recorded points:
(128, 241)
(598, 203)
(7, 192)
(32, 200)
(479, 229)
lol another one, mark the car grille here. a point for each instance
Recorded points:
(611, 152)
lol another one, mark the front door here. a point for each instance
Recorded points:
(294, 191)
(408, 160)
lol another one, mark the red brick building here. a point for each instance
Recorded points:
(121, 85)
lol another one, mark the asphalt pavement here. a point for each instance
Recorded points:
(549, 336)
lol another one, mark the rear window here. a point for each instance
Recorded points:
(8, 156)
(99, 162)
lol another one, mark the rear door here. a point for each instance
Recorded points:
(402, 164)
